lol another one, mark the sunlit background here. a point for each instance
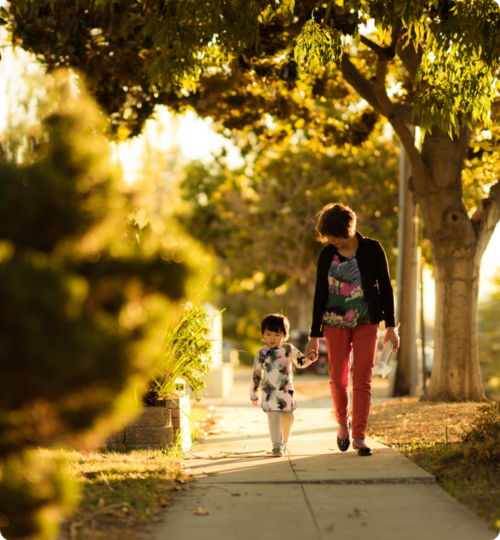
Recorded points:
(184, 138)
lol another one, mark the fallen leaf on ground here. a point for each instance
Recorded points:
(200, 512)
(84, 453)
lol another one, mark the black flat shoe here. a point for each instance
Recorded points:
(365, 451)
(344, 444)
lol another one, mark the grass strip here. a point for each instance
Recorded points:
(124, 490)
(475, 485)
(462, 449)
(121, 491)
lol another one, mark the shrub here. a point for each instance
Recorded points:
(482, 442)
(80, 309)
(186, 355)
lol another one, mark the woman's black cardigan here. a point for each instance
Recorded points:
(377, 287)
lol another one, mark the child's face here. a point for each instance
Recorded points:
(273, 339)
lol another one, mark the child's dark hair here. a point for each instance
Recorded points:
(275, 322)
(336, 219)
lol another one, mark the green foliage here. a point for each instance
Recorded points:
(450, 93)
(80, 306)
(180, 44)
(107, 44)
(482, 442)
(186, 354)
(316, 47)
(36, 493)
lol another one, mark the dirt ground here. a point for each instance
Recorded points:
(406, 420)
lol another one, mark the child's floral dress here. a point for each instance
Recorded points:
(272, 371)
(346, 306)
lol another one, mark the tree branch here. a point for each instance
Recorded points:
(487, 214)
(359, 83)
(386, 53)
(399, 115)
(404, 111)
(380, 51)
(410, 57)
(495, 110)
(420, 174)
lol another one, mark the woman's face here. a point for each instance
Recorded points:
(339, 243)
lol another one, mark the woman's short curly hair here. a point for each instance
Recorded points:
(336, 219)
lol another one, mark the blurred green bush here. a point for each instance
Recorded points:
(82, 309)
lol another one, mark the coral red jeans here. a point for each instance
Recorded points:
(340, 342)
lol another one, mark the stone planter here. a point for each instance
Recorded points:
(180, 409)
(165, 424)
(152, 429)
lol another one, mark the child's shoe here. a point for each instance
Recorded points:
(277, 451)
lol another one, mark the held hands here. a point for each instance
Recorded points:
(255, 402)
(391, 334)
(313, 355)
(312, 347)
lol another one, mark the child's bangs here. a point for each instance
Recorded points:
(274, 327)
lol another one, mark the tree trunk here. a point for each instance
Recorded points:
(405, 282)
(303, 305)
(457, 248)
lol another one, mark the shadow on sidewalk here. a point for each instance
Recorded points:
(217, 439)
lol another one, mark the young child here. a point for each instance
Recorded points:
(273, 368)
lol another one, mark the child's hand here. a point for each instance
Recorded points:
(313, 355)
(255, 402)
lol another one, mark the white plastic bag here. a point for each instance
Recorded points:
(382, 368)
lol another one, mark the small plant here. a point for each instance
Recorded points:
(186, 355)
(482, 442)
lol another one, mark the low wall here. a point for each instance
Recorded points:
(161, 426)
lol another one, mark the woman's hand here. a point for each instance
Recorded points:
(391, 334)
(255, 402)
(312, 346)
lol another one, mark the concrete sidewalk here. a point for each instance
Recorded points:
(315, 492)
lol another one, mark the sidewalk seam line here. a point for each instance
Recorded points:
(316, 525)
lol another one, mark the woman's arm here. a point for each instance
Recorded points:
(321, 291)
(385, 287)
(387, 298)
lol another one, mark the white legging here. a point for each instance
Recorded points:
(280, 426)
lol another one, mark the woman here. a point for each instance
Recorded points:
(353, 295)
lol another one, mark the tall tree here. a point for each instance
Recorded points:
(430, 63)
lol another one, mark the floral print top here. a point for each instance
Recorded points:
(346, 306)
(272, 371)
